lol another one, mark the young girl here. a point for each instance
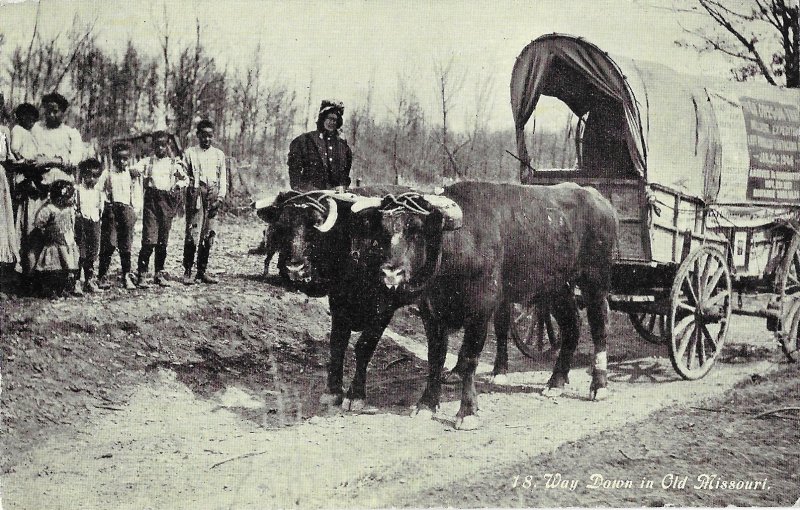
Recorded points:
(54, 254)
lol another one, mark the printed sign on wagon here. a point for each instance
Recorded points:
(773, 140)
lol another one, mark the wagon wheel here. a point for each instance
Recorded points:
(652, 327)
(788, 274)
(700, 312)
(790, 340)
(530, 326)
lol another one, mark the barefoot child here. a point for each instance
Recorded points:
(53, 249)
(164, 176)
(123, 191)
(87, 224)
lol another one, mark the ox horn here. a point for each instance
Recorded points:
(330, 220)
(366, 203)
(453, 215)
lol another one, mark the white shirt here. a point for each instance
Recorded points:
(159, 173)
(64, 142)
(90, 201)
(23, 145)
(121, 187)
(207, 166)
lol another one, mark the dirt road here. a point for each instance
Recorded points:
(199, 399)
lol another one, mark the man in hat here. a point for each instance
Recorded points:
(319, 159)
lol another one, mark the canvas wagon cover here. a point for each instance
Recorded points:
(722, 141)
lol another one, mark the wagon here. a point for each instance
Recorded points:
(705, 177)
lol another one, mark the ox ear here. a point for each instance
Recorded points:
(366, 203)
(451, 212)
(267, 206)
(265, 200)
(330, 219)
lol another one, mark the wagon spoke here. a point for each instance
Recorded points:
(683, 306)
(529, 334)
(716, 300)
(701, 347)
(692, 348)
(707, 334)
(691, 293)
(704, 276)
(686, 341)
(712, 283)
(551, 332)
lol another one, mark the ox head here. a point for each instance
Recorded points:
(303, 226)
(405, 233)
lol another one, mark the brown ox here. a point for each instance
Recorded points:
(517, 244)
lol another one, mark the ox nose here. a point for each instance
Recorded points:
(296, 272)
(393, 277)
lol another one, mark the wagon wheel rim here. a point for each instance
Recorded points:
(790, 341)
(530, 330)
(700, 312)
(652, 327)
(790, 269)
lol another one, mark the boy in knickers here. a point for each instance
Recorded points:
(164, 176)
(123, 192)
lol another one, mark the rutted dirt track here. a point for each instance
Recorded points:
(206, 397)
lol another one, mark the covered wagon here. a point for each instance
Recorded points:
(705, 176)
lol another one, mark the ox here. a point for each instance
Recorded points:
(517, 244)
(312, 233)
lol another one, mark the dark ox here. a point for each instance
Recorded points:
(517, 244)
(312, 233)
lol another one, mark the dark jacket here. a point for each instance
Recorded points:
(319, 161)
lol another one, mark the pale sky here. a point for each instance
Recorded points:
(347, 44)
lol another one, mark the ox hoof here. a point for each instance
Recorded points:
(422, 414)
(470, 422)
(331, 399)
(598, 394)
(500, 379)
(553, 392)
(358, 405)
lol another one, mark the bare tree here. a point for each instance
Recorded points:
(449, 82)
(763, 36)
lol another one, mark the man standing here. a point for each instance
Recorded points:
(320, 159)
(208, 184)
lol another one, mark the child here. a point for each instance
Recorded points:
(87, 225)
(53, 249)
(164, 176)
(23, 144)
(123, 195)
(204, 196)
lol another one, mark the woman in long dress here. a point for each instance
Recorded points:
(9, 248)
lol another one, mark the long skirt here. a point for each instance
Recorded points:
(9, 241)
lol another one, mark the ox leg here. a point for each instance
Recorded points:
(566, 312)
(365, 348)
(455, 375)
(597, 313)
(340, 337)
(436, 331)
(475, 331)
(502, 322)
